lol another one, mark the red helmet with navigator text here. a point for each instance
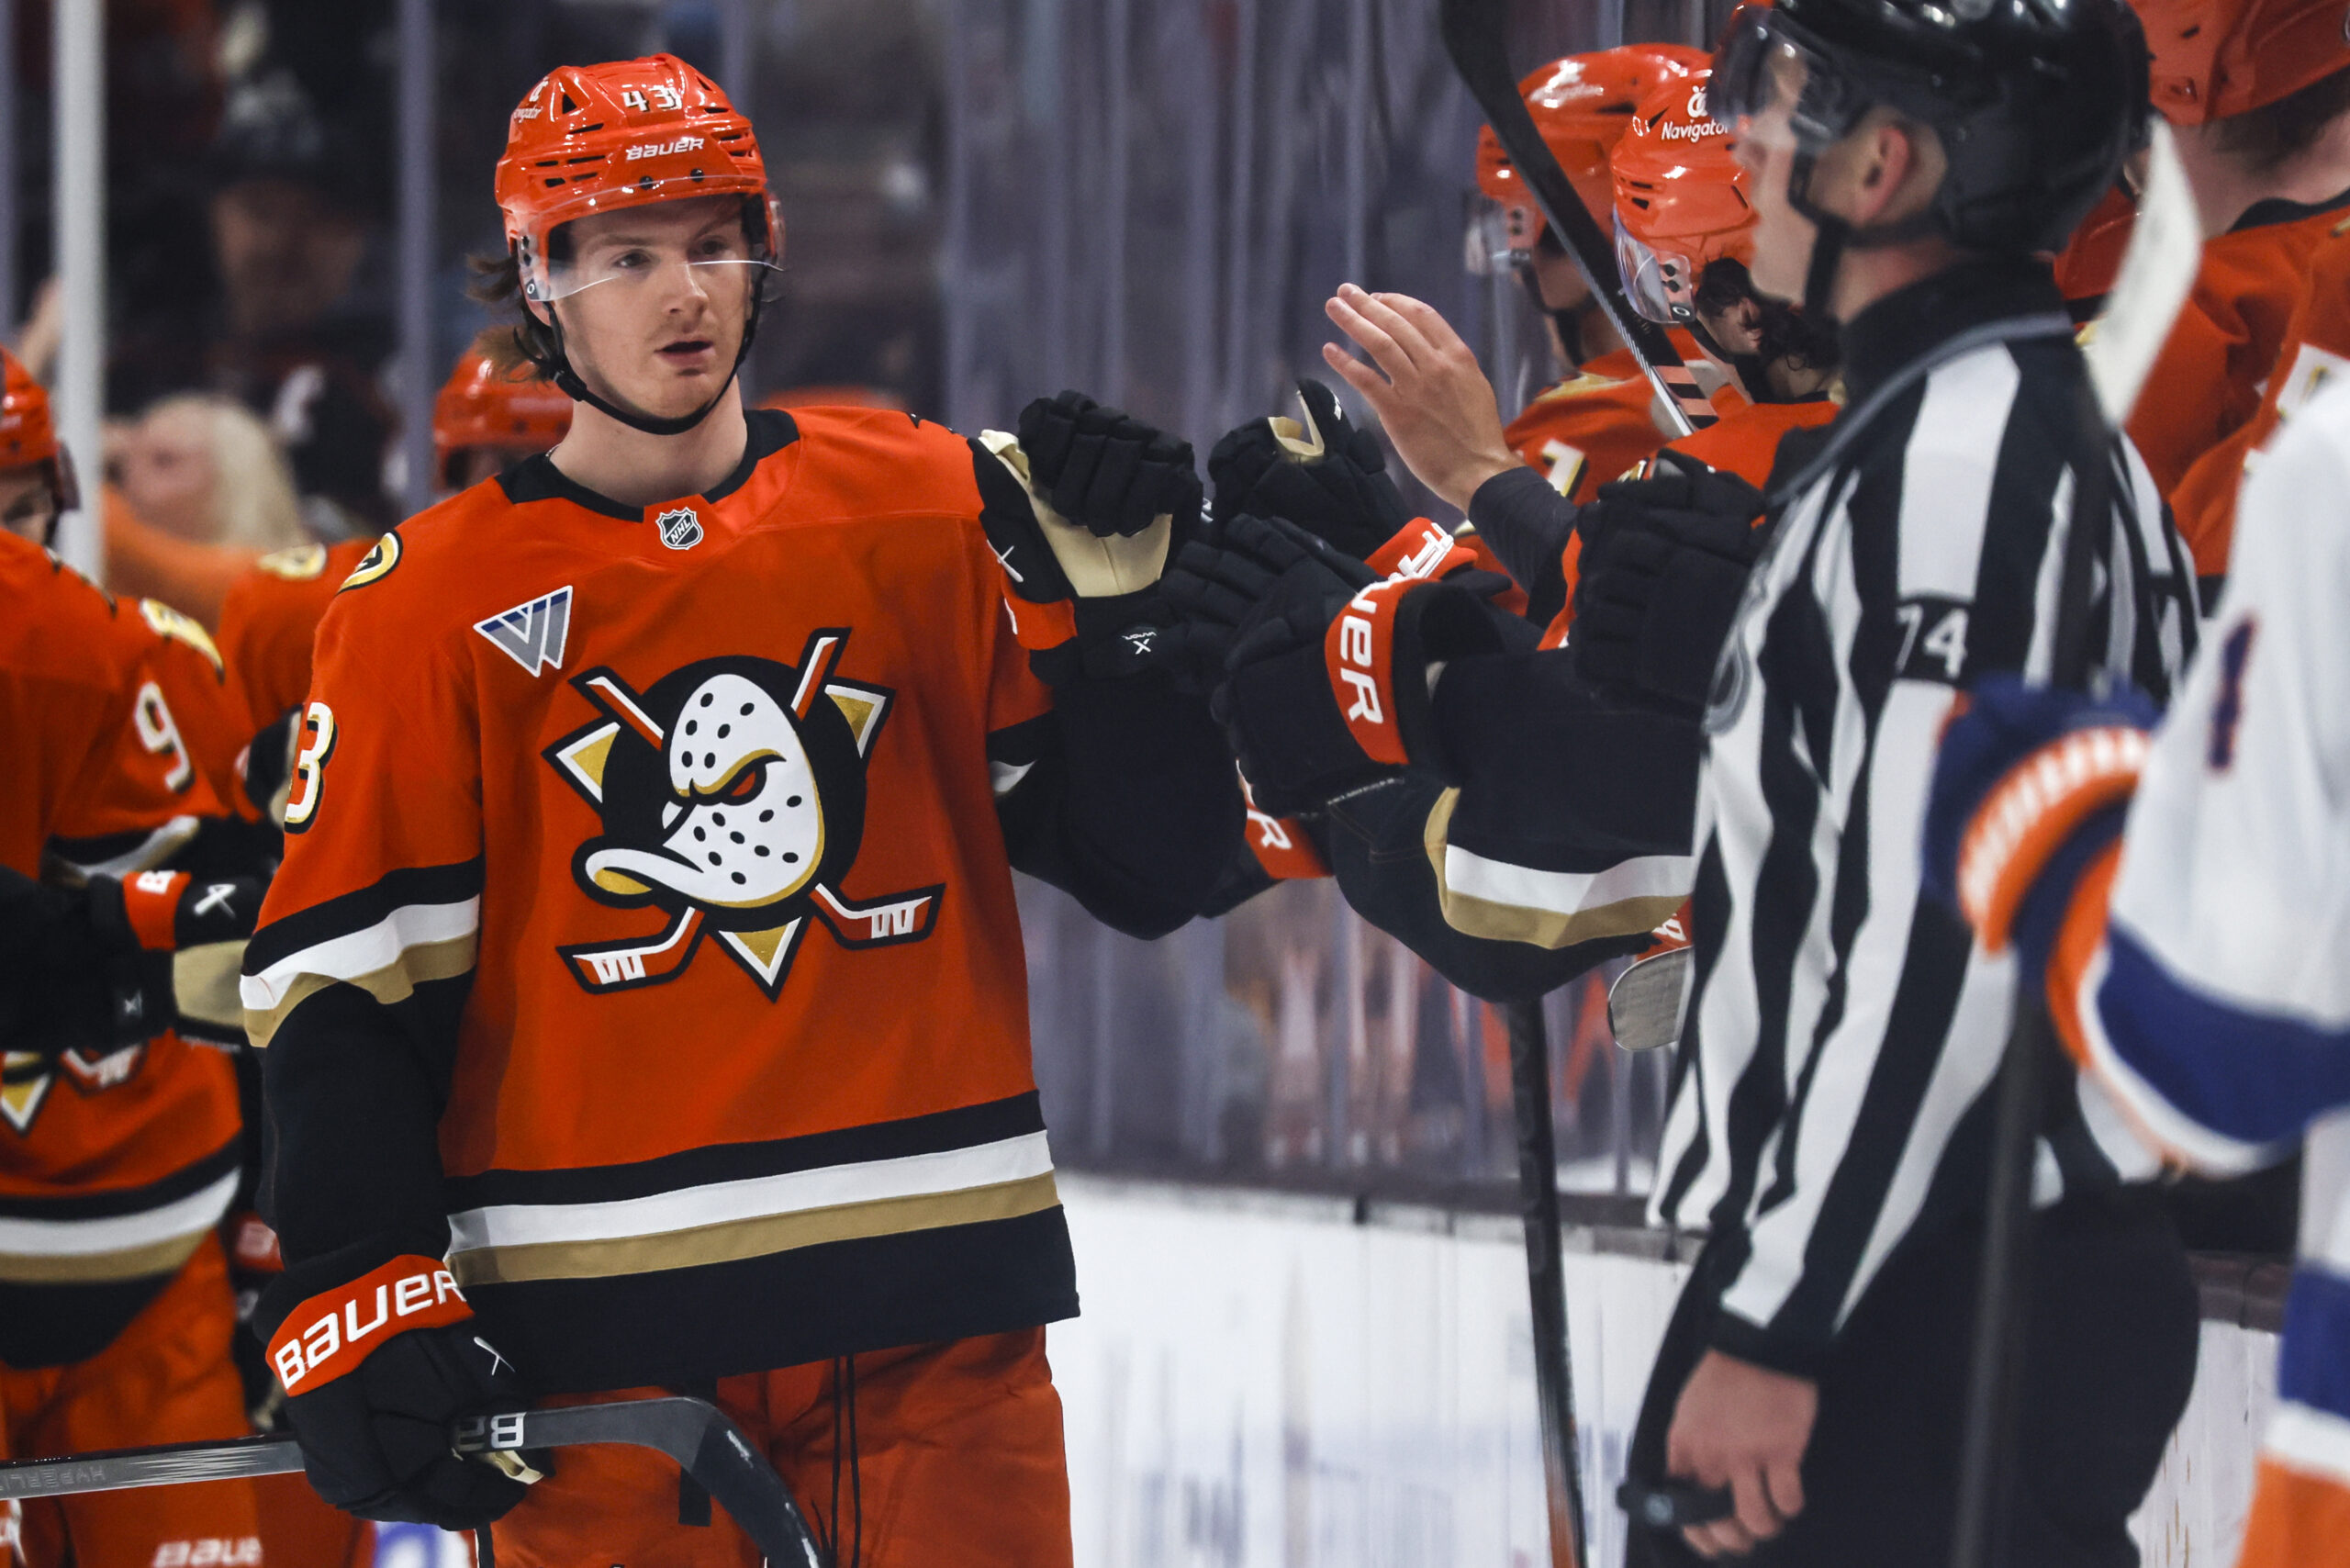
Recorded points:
(1581, 105)
(1680, 200)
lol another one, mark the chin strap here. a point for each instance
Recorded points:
(569, 383)
(1836, 235)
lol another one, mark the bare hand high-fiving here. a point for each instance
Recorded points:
(1432, 399)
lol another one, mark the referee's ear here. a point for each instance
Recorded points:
(1886, 169)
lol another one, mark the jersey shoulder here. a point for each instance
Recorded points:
(404, 587)
(875, 462)
(60, 625)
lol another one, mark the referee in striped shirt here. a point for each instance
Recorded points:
(1831, 1124)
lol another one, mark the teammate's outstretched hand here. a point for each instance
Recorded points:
(1106, 470)
(1743, 1427)
(1432, 399)
(1318, 472)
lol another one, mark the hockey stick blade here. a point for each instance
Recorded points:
(1475, 35)
(1644, 1005)
(696, 1434)
(2157, 272)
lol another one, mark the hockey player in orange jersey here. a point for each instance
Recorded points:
(2257, 93)
(119, 1141)
(1601, 418)
(1684, 235)
(489, 416)
(645, 964)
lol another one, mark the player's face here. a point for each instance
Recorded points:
(659, 329)
(1738, 329)
(1556, 276)
(1766, 146)
(27, 503)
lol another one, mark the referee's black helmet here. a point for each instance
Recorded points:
(2036, 102)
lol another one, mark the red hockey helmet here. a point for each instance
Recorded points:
(1680, 200)
(483, 405)
(594, 138)
(28, 434)
(2218, 57)
(1581, 105)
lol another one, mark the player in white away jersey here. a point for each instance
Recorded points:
(2192, 938)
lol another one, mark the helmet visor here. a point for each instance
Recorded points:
(1770, 82)
(1659, 284)
(544, 280)
(649, 256)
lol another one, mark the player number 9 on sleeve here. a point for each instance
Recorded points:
(315, 744)
(160, 734)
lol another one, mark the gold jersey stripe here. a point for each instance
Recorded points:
(1545, 928)
(736, 1240)
(100, 1268)
(395, 982)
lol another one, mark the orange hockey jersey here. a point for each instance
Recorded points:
(112, 1168)
(646, 925)
(2207, 383)
(2317, 347)
(269, 617)
(1592, 426)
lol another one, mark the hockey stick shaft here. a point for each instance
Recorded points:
(2002, 1302)
(705, 1445)
(1476, 34)
(1546, 1280)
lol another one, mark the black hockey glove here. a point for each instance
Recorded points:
(1320, 473)
(1082, 587)
(376, 1371)
(1104, 470)
(1326, 665)
(1664, 565)
(110, 963)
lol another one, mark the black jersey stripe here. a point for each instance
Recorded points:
(965, 1127)
(370, 906)
(783, 1310)
(186, 1181)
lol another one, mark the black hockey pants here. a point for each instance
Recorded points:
(2113, 1330)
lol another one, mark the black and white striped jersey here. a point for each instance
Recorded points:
(1842, 1030)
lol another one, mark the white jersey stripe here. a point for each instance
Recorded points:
(361, 952)
(759, 1197)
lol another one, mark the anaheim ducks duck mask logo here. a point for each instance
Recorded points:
(732, 799)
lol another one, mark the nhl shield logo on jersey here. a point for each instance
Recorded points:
(732, 798)
(681, 528)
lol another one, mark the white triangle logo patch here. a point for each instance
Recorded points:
(532, 634)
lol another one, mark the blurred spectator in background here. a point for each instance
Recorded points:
(202, 492)
(296, 198)
(206, 469)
